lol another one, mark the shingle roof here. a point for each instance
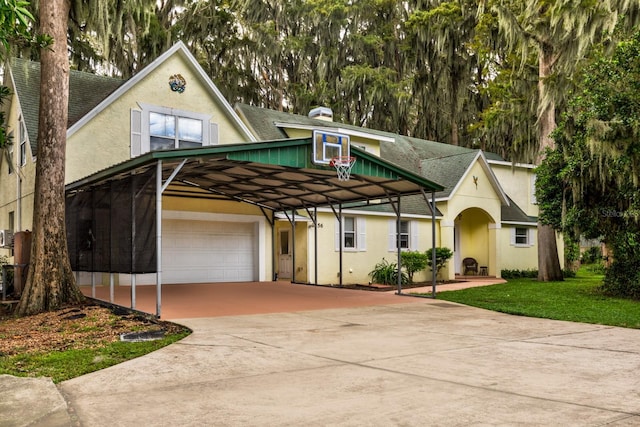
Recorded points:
(436, 161)
(513, 213)
(86, 90)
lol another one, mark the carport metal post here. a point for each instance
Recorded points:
(433, 243)
(398, 246)
(434, 271)
(315, 242)
(293, 246)
(341, 237)
(160, 187)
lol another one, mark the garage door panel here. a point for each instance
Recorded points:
(202, 251)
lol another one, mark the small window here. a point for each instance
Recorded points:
(408, 235)
(349, 232)
(404, 234)
(522, 236)
(10, 158)
(167, 132)
(23, 143)
(354, 236)
(156, 128)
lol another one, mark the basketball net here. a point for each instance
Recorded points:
(343, 166)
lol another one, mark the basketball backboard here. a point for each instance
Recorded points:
(328, 145)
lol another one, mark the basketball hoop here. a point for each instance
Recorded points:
(343, 165)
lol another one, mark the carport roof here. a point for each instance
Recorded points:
(276, 175)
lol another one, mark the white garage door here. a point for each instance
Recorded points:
(205, 251)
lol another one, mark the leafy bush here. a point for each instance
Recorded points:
(386, 273)
(622, 278)
(442, 257)
(592, 255)
(597, 268)
(531, 273)
(4, 260)
(519, 274)
(412, 262)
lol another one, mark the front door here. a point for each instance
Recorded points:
(284, 255)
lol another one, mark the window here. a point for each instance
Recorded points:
(522, 236)
(23, 143)
(12, 226)
(167, 132)
(404, 234)
(157, 128)
(10, 158)
(533, 178)
(353, 234)
(408, 235)
(349, 232)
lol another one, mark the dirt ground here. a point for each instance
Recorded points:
(77, 327)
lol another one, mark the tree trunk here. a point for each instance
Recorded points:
(548, 261)
(51, 283)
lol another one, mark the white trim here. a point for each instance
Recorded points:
(384, 214)
(515, 165)
(488, 171)
(526, 224)
(145, 142)
(281, 216)
(259, 220)
(412, 235)
(333, 129)
(359, 234)
(530, 237)
(179, 47)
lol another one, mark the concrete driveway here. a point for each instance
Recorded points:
(417, 363)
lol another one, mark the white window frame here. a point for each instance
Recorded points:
(412, 235)
(140, 132)
(528, 235)
(22, 135)
(359, 234)
(533, 180)
(10, 158)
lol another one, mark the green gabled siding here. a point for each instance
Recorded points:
(293, 156)
(365, 167)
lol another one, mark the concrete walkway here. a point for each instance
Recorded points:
(420, 362)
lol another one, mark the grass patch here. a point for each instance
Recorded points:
(575, 299)
(64, 365)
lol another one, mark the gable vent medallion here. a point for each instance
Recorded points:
(177, 83)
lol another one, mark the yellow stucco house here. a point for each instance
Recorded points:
(242, 193)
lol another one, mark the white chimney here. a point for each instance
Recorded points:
(321, 113)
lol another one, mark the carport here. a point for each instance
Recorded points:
(114, 217)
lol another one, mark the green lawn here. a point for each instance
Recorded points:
(64, 365)
(576, 299)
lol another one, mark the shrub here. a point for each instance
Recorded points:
(412, 262)
(622, 278)
(386, 273)
(597, 268)
(442, 257)
(592, 255)
(519, 274)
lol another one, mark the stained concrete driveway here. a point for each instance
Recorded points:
(419, 363)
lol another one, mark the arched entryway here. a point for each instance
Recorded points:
(475, 237)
